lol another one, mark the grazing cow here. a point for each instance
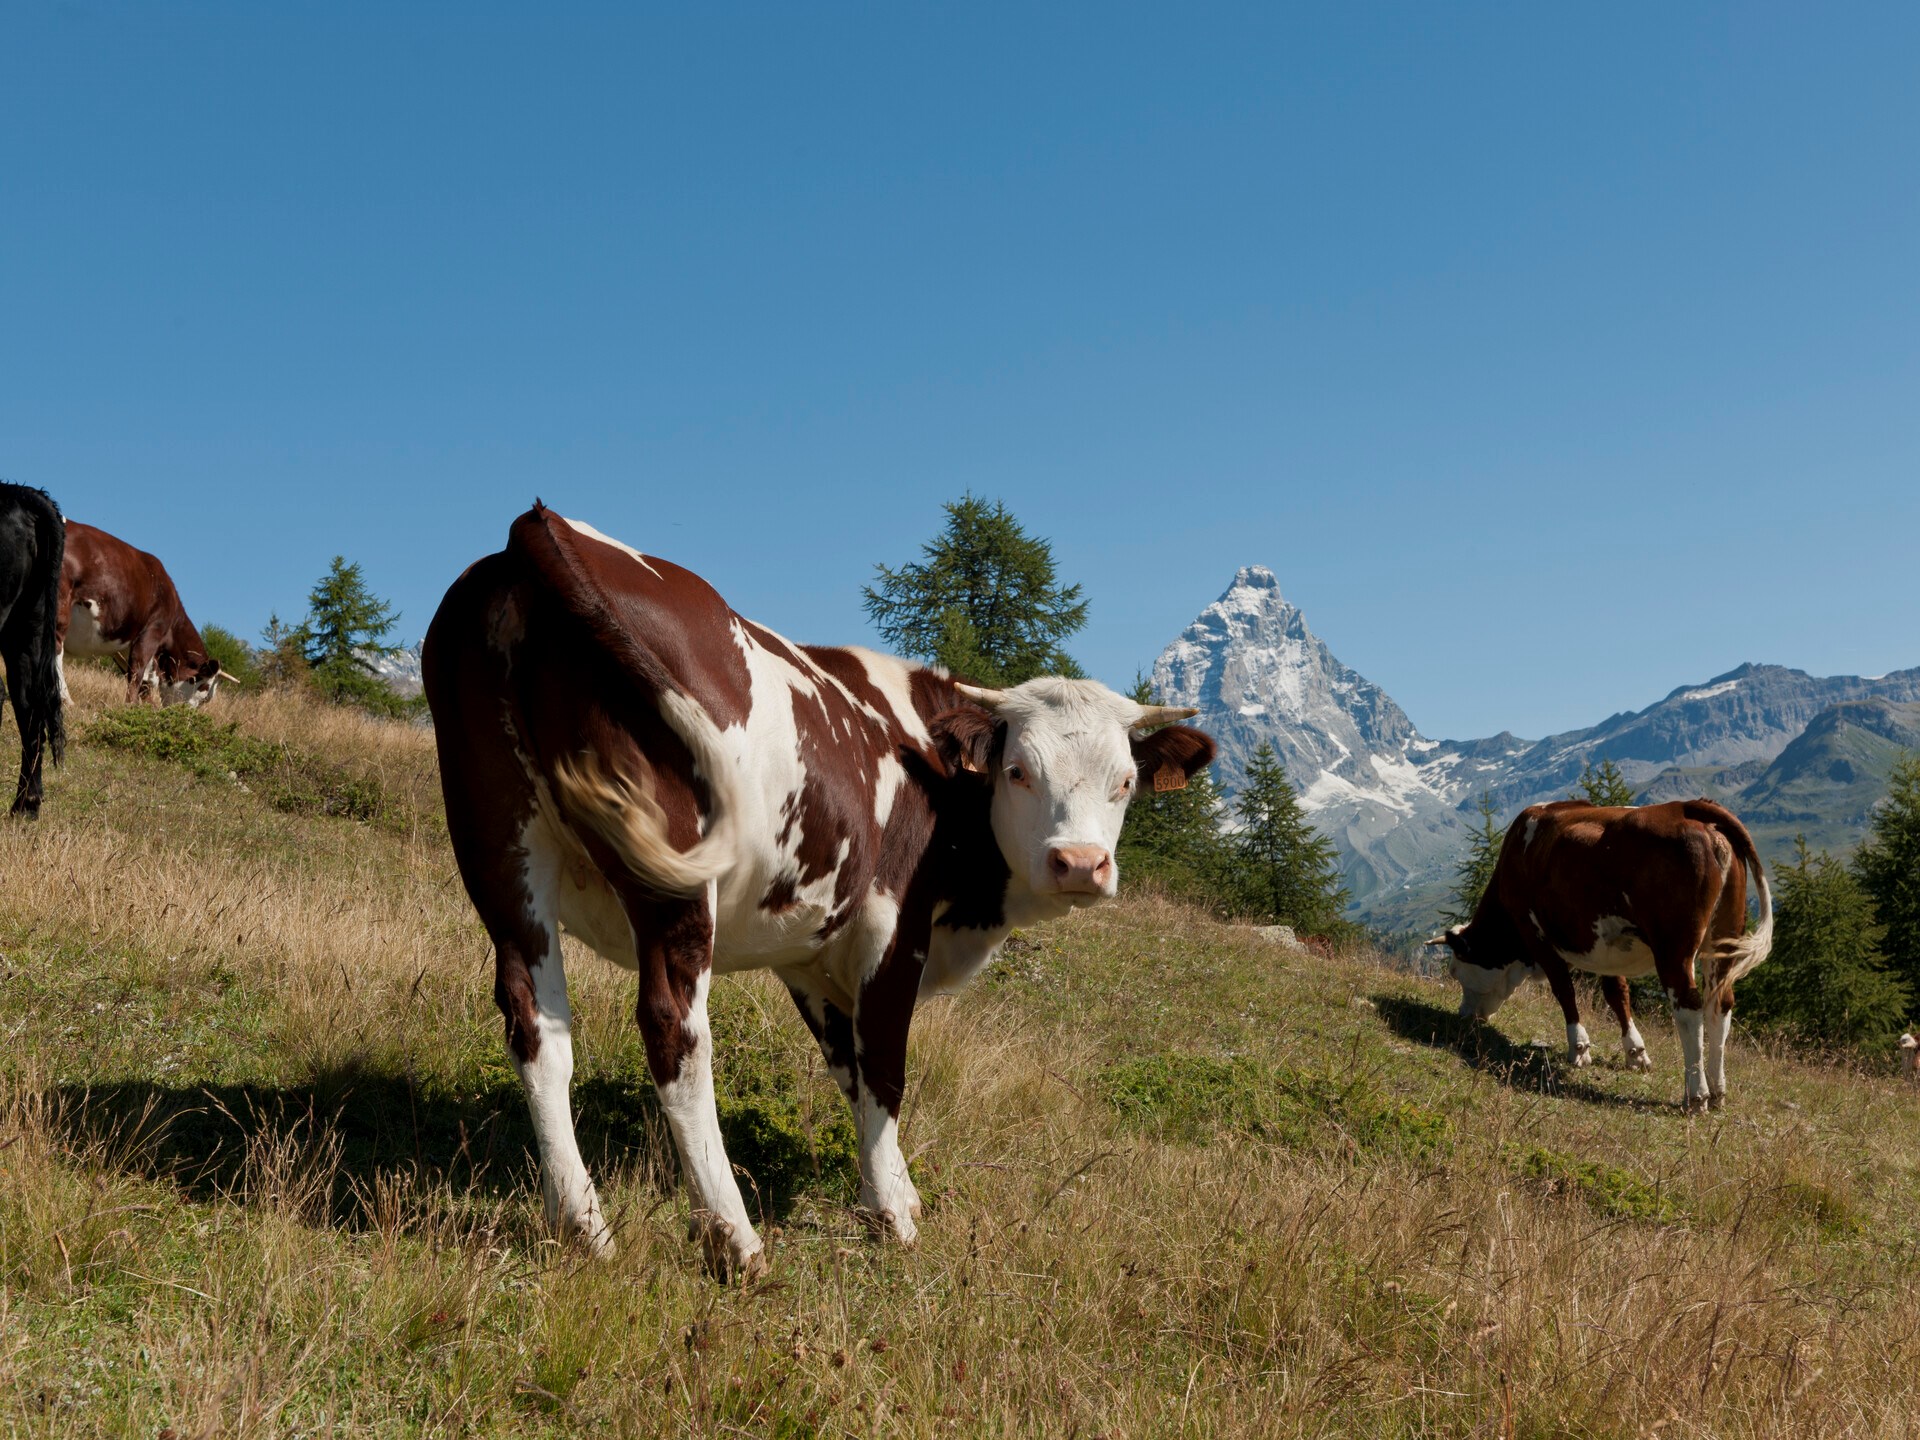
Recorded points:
(688, 792)
(116, 600)
(1910, 1057)
(31, 544)
(1620, 892)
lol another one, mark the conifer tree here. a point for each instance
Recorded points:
(1826, 979)
(1604, 785)
(984, 601)
(1888, 866)
(346, 623)
(1283, 868)
(1475, 871)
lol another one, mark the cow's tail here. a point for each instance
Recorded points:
(622, 809)
(1737, 954)
(37, 690)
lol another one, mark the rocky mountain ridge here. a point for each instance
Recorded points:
(1396, 802)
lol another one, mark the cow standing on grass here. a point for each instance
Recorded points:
(1620, 892)
(687, 792)
(32, 542)
(116, 600)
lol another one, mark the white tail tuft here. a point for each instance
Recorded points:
(1739, 954)
(623, 812)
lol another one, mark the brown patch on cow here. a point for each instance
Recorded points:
(967, 738)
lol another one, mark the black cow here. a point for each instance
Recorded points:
(33, 541)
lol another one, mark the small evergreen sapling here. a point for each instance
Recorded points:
(1475, 871)
(1888, 866)
(1285, 870)
(1604, 785)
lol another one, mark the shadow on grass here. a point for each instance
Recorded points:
(1479, 1044)
(352, 1136)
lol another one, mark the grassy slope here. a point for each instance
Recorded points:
(264, 1170)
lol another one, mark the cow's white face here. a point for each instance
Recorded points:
(1483, 989)
(1065, 765)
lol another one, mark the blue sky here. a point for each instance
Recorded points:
(1551, 359)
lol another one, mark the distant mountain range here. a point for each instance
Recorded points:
(1788, 751)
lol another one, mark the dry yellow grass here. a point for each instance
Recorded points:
(263, 1171)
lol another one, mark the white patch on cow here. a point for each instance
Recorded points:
(84, 636)
(956, 956)
(60, 673)
(592, 534)
(719, 1220)
(572, 1207)
(1689, 1025)
(1538, 928)
(1579, 1045)
(1618, 949)
(886, 1190)
(1533, 825)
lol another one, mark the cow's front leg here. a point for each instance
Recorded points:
(1579, 1045)
(887, 1194)
(1620, 1001)
(674, 945)
(883, 1014)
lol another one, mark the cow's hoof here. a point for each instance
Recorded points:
(889, 1224)
(1582, 1058)
(1639, 1060)
(728, 1256)
(1716, 1099)
(1694, 1105)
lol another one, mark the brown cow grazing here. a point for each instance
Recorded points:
(116, 600)
(687, 792)
(1621, 892)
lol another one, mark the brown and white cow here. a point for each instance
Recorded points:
(687, 792)
(116, 600)
(1619, 892)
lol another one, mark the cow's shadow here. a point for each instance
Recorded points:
(1483, 1047)
(347, 1146)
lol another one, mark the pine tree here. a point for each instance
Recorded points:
(1173, 836)
(1826, 979)
(1283, 868)
(1888, 867)
(1604, 786)
(1475, 871)
(346, 623)
(984, 602)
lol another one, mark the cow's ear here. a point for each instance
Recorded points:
(1169, 758)
(966, 738)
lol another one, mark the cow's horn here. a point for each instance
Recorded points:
(230, 679)
(1440, 939)
(1164, 714)
(992, 699)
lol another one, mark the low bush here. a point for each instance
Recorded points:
(1607, 1188)
(288, 779)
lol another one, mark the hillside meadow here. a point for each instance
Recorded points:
(265, 1170)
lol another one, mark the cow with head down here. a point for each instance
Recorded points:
(119, 601)
(1620, 892)
(626, 758)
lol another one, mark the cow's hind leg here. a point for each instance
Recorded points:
(1719, 1021)
(1689, 1021)
(673, 942)
(1620, 1001)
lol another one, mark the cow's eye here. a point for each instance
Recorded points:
(1017, 775)
(1124, 789)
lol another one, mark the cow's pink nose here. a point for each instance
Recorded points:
(1084, 869)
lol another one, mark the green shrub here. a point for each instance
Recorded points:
(288, 779)
(1607, 1188)
(234, 654)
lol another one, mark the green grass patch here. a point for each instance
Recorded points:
(1607, 1188)
(289, 780)
(1191, 1097)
